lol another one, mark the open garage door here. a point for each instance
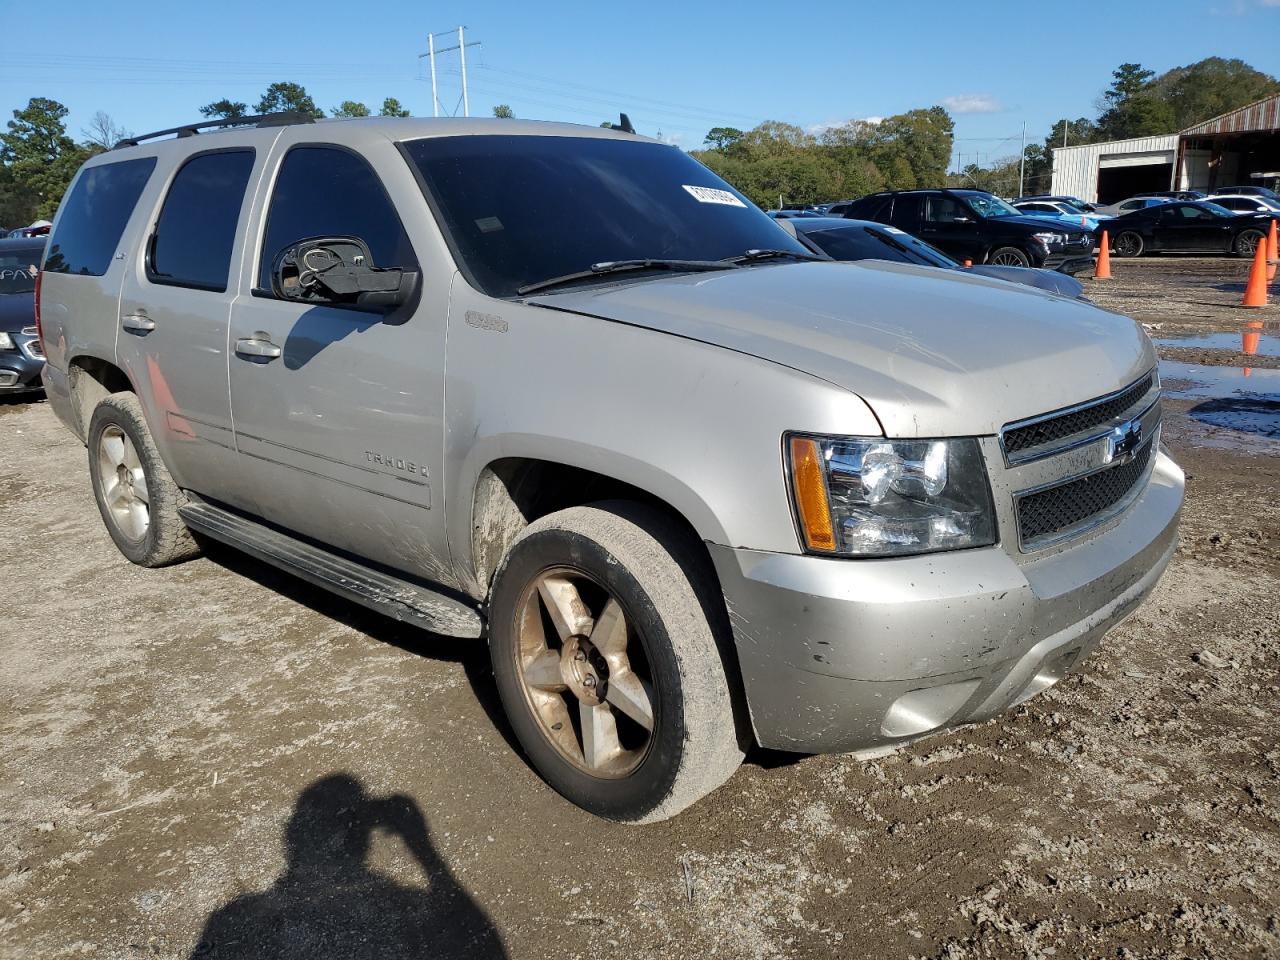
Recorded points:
(1116, 183)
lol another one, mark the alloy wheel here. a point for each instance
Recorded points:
(122, 483)
(584, 673)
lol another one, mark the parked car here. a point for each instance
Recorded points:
(1247, 203)
(1130, 205)
(852, 240)
(1180, 226)
(1075, 203)
(38, 229)
(1251, 190)
(21, 357)
(1054, 210)
(975, 225)
(1174, 194)
(792, 214)
(695, 487)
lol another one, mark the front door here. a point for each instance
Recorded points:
(339, 411)
(951, 227)
(174, 309)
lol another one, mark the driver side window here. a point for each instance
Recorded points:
(329, 191)
(946, 210)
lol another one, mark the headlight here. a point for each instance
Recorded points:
(6, 342)
(1051, 239)
(885, 498)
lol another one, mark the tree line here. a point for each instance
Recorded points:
(1138, 103)
(772, 163)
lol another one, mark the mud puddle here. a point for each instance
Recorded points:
(1239, 406)
(1248, 341)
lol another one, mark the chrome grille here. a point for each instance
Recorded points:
(1049, 514)
(30, 332)
(1041, 436)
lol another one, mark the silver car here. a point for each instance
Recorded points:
(564, 391)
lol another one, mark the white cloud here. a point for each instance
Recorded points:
(972, 103)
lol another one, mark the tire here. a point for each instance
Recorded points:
(136, 496)
(1247, 241)
(641, 562)
(1009, 257)
(1128, 245)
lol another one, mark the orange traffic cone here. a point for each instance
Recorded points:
(1249, 342)
(1103, 270)
(1255, 293)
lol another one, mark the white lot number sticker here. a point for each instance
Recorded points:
(712, 195)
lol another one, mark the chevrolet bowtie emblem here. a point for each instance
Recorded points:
(1122, 442)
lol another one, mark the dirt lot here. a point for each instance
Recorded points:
(215, 760)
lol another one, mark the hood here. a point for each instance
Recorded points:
(17, 310)
(934, 353)
(1063, 226)
(1053, 281)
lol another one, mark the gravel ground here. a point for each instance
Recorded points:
(215, 760)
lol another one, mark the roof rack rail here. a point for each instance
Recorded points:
(282, 119)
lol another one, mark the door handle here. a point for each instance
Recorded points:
(256, 348)
(137, 323)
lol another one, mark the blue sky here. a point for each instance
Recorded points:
(678, 68)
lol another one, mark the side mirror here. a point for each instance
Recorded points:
(339, 271)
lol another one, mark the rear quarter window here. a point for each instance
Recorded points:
(94, 216)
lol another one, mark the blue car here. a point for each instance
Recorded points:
(1059, 210)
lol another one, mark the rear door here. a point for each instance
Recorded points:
(338, 410)
(174, 311)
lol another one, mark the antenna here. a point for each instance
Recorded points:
(624, 124)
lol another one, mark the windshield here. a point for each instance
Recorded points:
(860, 242)
(985, 205)
(522, 209)
(18, 269)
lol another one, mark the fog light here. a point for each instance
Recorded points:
(920, 710)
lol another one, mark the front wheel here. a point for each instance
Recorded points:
(1128, 245)
(1246, 244)
(603, 638)
(1009, 257)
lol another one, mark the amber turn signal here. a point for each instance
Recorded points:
(811, 494)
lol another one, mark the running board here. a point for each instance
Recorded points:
(379, 591)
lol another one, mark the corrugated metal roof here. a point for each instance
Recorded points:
(1167, 141)
(1263, 115)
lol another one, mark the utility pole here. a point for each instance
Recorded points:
(431, 52)
(1022, 160)
(461, 47)
(462, 53)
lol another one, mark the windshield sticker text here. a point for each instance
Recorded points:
(712, 195)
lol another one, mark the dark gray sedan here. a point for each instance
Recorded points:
(21, 359)
(843, 239)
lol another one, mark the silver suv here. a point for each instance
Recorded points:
(563, 390)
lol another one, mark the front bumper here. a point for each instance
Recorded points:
(1070, 263)
(20, 368)
(842, 655)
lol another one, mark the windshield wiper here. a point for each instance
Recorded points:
(753, 255)
(622, 266)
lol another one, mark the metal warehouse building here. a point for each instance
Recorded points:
(1240, 147)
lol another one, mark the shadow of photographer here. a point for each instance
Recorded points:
(330, 904)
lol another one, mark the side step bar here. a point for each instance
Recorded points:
(379, 591)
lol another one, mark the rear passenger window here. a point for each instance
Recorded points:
(94, 216)
(197, 227)
(328, 191)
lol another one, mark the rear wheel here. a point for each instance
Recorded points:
(1009, 257)
(1128, 244)
(136, 496)
(608, 665)
(1247, 242)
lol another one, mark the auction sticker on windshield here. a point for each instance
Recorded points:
(712, 195)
